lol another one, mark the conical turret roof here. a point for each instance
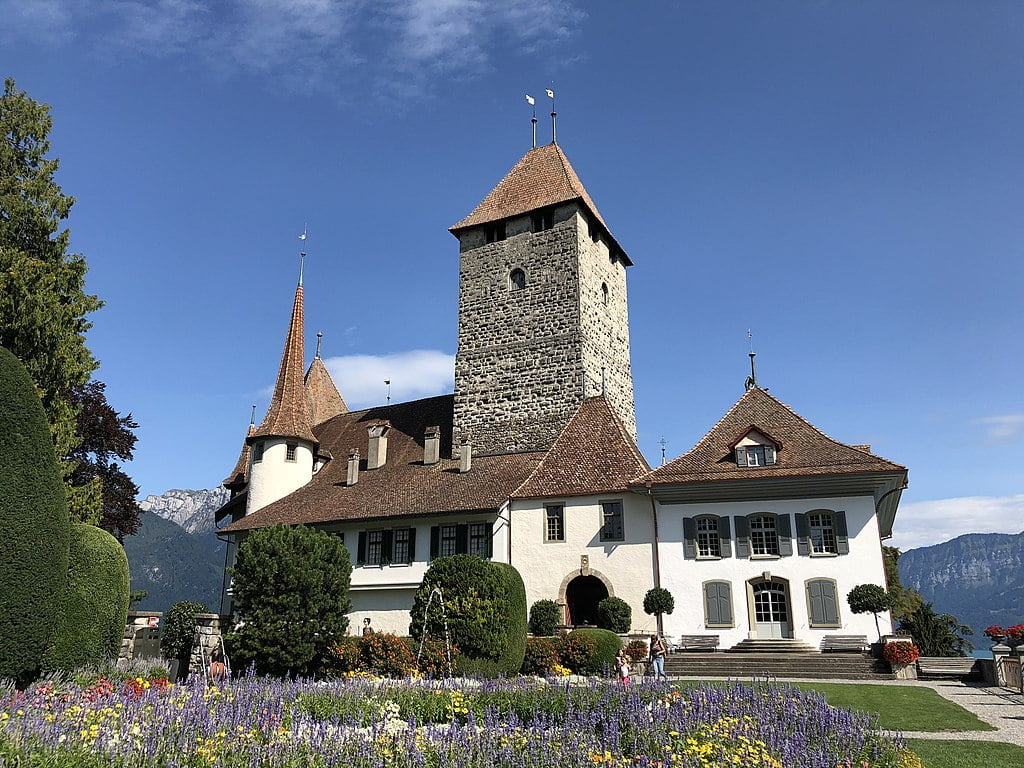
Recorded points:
(542, 177)
(322, 396)
(288, 414)
(239, 476)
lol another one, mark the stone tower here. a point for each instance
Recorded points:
(543, 320)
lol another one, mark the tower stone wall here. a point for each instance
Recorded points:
(527, 357)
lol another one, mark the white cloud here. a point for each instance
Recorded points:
(48, 21)
(414, 374)
(923, 523)
(1000, 430)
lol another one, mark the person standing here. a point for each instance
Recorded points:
(658, 658)
(622, 664)
(367, 629)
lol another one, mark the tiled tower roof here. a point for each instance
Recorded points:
(322, 396)
(288, 414)
(239, 476)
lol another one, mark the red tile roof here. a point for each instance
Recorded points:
(543, 177)
(288, 414)
(404, 486)
(322, 397)
(804, 450)
(594, 454)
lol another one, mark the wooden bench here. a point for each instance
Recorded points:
(696, 643)
(855, 643)
(947, 666)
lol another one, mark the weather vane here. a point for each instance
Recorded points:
(554, 134)
(751, 382)
(302, 253)
(533, 103)
(663, 443)
(387, 383)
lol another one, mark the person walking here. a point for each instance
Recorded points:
(658, 658)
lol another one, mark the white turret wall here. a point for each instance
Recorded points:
(274, 477)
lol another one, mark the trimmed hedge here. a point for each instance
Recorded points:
(291, 591)
(34, 521)
(91, 623)
(544, 617)
(486, 607)
(606, 646)
(615, 614)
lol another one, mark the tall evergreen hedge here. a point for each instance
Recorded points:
(486, 607)
(34, 522)
(91, 623)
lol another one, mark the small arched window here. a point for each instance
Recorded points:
(517, 280)
(604, 294)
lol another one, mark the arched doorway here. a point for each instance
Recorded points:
(770, 609)
(582, 595)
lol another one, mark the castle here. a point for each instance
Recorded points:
(759, 531)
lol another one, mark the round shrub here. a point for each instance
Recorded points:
(92, 618)
(486, 607)
(576, 651)
(606, 646)
(386, 655)
(34, 521)
(658, 601)
(615, 614)
(541, 656)
(545, 615)
(291, 593)
(637, 650)
(179, 630)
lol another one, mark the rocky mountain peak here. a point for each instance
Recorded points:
(192, 510)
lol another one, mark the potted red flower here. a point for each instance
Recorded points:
(995, 633)
(1015, 634)
(901, 653)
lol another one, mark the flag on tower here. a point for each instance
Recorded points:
(530, 100)
(551, 94)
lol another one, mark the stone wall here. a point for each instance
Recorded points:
(206, 643)
(141, 638)
(527, 358)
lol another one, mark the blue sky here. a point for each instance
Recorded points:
(845, 179)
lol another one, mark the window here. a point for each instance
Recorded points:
(593, 230)
(764, 540)
(717, 604)
(755, 455)
(822, 605)
(400, 552)
(479, 538)
(823, 534)
(257, 452)
(554, 529)
(611, 527)
(449, 540)
(543, 220)
(708, 544)
(494, 232)
(604, 294)
(517, 280)
(374, 547)
(289, 452)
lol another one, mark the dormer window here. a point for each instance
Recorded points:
(494, 232)
(517, 280)
(755, 449)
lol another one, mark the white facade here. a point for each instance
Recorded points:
(686, 577)
(272, 474)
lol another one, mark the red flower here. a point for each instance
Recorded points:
(900, 653)
(995, 631)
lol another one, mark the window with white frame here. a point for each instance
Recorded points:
(823, 533)
(764, 538)
(374, 547)
(400, 545)
(611, 521)
(708, 542)
(554, 527)
(479, 534)
(448, 540)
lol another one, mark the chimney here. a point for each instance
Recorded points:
(353, 468)
(432, 445)
(466, 461)
(377, 453)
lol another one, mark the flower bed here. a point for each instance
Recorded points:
(363, 723)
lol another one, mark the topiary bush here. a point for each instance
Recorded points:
(658, 601)
(545, 615)
(291, 593)
(179, 630)
(95, 608)
(486, 607)
(606, 646)
(869, 598)
(34, 521)
(615, 614)
(541, 656)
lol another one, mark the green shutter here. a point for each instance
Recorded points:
(689, 538)
(842, 534)
(412, 545)
(724, 537)
(725, 602)
(822, 603)
(718, 603)
(803, 534)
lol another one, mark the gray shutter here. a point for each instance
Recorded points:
(725, 602)
(717, 603)
(724, 537)
(785, 531)
(742, 537)
(842, 534)
(821, 599)
(769, 455)
(803, 534)
(741, 455)
(386, 544)
(489, 548)
(435, 541)
(361, 549)
(461, 539)
(829, 602)
(412, 545)
(814, 605)
(689, 538)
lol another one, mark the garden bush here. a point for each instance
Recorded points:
(486, 607)
(433, 660)
(614, 613)
(637, 650)
(35, 525)
(344, 659)
(576, 650)
(179, 630)
(291, 591)
(92, 617)
(545, 615)
(386, 655)
(541, 656)
(606, 647)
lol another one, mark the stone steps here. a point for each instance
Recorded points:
(818, 666)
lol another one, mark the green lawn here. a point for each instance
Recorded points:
(967, 754)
